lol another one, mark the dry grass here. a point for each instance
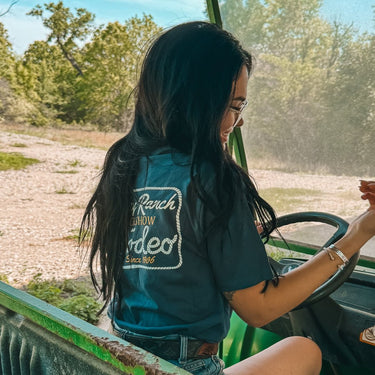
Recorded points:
(70, 136)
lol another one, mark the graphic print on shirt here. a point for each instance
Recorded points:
(155, 232)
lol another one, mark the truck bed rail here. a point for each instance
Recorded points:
(40, 339)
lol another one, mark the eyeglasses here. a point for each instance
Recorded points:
(238, 111)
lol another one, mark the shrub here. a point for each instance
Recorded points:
(74, 296)
(14, 107)
(82, 306)
(46, 290)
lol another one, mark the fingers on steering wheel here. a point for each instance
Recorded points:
(370, 197)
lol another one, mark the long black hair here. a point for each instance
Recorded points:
(184, 90)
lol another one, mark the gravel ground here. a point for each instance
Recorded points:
(43, 204)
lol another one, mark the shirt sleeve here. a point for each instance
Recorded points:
(237, 253)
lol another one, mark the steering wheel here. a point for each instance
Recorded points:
(285, 265)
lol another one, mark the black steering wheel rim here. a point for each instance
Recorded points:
(341, 275)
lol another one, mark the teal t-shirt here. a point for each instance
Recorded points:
(172, 279)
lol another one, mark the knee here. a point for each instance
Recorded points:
(306, 354)
(308, 350)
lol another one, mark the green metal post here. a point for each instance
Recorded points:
(213, 10)
(235, 143)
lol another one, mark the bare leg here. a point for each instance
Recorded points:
(291, 356)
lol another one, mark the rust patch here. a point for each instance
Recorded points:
(129, 355)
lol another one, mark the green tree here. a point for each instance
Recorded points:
(246, 20)
(289, 39)
(66, 28)
(308, 75)
(7, 58)
(350, 114)
(48, 81)
(112, 60)
(8, 97)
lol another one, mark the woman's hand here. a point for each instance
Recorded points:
(368, 190)
(259, 227)
(362, 228)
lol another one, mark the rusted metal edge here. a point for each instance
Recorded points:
(119, 353)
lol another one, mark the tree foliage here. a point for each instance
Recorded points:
(11, 106)
(312, 95)
(112, 59)
(7, 58)
(48, 81)
(65, 28)
(82, 74)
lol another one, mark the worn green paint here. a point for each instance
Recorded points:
(40, 313)
(77, 331)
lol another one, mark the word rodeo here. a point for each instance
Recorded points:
(153, 245)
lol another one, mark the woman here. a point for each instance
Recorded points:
(173, 217)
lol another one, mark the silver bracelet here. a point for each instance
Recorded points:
(339, 253)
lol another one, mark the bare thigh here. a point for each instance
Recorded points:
(291, 356)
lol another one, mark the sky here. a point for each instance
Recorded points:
(23, 29)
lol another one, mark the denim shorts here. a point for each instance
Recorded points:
(208, 366)
(201, 366)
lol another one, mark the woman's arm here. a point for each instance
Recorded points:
(258, 309)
